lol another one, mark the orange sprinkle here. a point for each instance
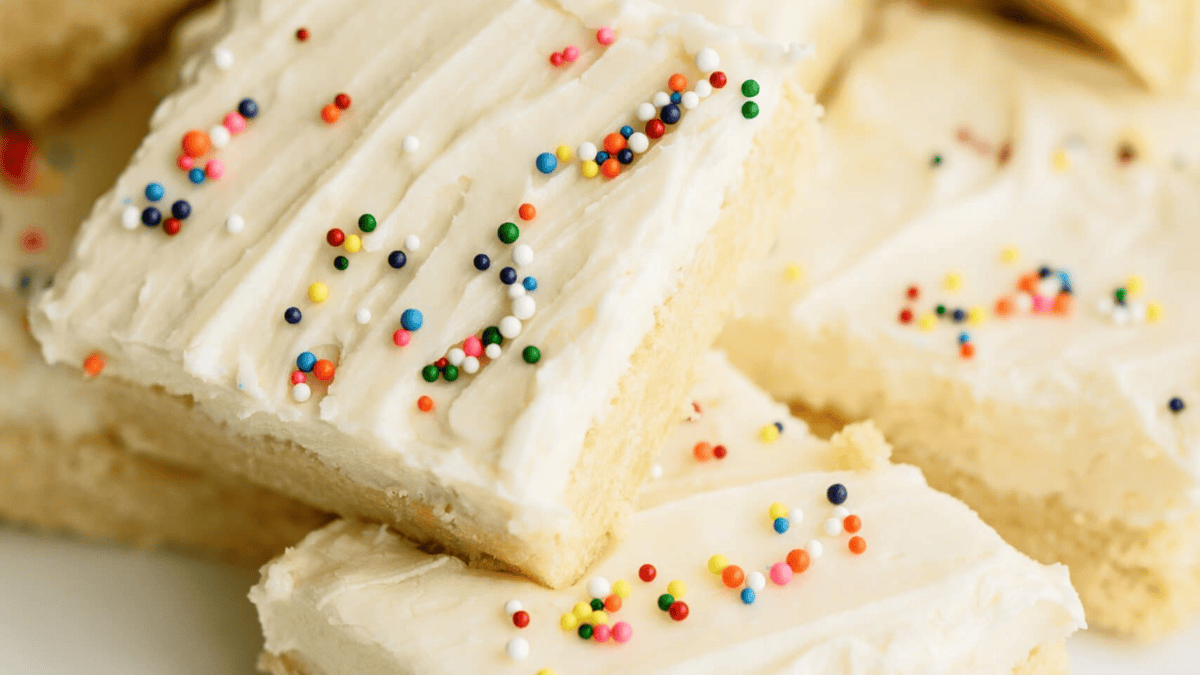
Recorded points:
(424, 404)
(798, 559)
(1064, 304)
(1028, 282)
(330, 113)
(527, 212)
(733, 576)
(611, 168)
(677, 82)
(196, 143)
(852, 524)
(967, 350)
(614, 143)
(323, 370)
(612, 603)
(702, 451)
(1005, 306)
(858, 545)
(93, 365)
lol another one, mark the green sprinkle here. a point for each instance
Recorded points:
(1120, 294)
(491, 336)
(341, 262)
(531, 354)
(585, 631)
(936, 161)
(750, 88)
(450, 373)
(941, 309)
(366, 222)
(749, 110)
(508, 232)
(665, 601)
(597, 604)
(430, 373)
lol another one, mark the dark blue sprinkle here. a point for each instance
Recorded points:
(181, 209)
(837, 494)
(508, 275)
(196, 176)
(779, 427)
(670, 114)
(1043, 272)
(397, 259)
(151, 216)
(601, 157)
(625, 156)
(959, 315)
(292, 315)
(248, 108)
(1176, 405)
(482, 262)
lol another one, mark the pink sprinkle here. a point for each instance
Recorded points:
(235, 123)
(401, 337)
(186, 162)
(556, 59)
(570, 53)
(215, 168)
(602, 633)
(472, 346)
(621, 632)
(605, 36)
(781, 573)
(298, 377)
(1042, 304)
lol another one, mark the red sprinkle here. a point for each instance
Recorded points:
(655, 128)
(33, 240)
(171, 226)
(556, 59)
(342, 101)
(913, 293)
(298, 377)
(906, 316)
(302, 34)
(717, 79)
(441, 363)
(335, 237)
(521, 619)
(647, 573)
(679, 610)
(719, 452)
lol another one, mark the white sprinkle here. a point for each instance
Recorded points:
(1137, 311)
(796, 515)
(646, 111)
(301, 392)
(841, 512)
(660, 99)
(586, 151)
(833, 527)
(598, 587)
(707, 60)
(814, 548)
(1024, 303)
(656, 471)
(1050, 286)
(517, 648)
(456, 357)
(756, 581)
(523, 308)
(510, 327)
(639, 142)
(492, 351)
(223, 58)
(219, 136)
(690, 100)
(470, 365)
(412, 242)
(130, 218)
(513, 606)
(234, 224)
(522, 255)
(411, 144)
(363, 316)
(1120, 316)
(1105, 305)
(516, 291)
(703, 89)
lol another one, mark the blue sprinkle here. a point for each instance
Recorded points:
(196, 176)
(782, 525)
(837, 494)
(1043, 272)
(748, 596)
(411, 319)
(248, 108)
(547, 162)
(1064, 276)
(292, 315)
(670, 114)
(625, 156)
(508, 276)
(151, 216)
(963, 338)
(155, 191)
(779, 427)
(181, 209)
(397, 259)
(676, 97)
(601, 157)
(1176, 405)
(529, 283)
(626, 131)
(306, 361)
(482, 262)
(959, 315)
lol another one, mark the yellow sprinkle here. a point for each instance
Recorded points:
(1061, 160)
(677, 589)
(1135, 285)
(1154, 312)
(769, 434)
(545, 671)
(793, 272)
(353, 243)
(568, 622)
(778, 510)
(563, 153)
(1010, 254)
(953, 281)
(318, 292)
(590, 169)
(599, 617)
(976, 315)
(717, 563)
(582, 611)
(927, 322)
(621, 588)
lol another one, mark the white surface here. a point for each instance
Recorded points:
(68, 607)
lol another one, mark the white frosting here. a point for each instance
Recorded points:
(201, 314)
(1076, 407)
(935, 592)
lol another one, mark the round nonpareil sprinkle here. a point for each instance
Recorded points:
(677, 588)
(717, 563)
(605, 36)
(301, 392)
(546, 163)
(678, 610)
(1175, 405)
(424, 404)
(234, 224)
(155, 191)
(412, 319)
(330, 113)
(749, 110)
(781, 574)
(857, 545)
(517, 649)
(732, 576)
(781, 525)
(363, 316)
(196, 176)
(318, 292)
(647, 573)
(93, 364)
(798, 559)
(531, 354)
(223, 58)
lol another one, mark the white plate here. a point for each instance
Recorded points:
(69, 607)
